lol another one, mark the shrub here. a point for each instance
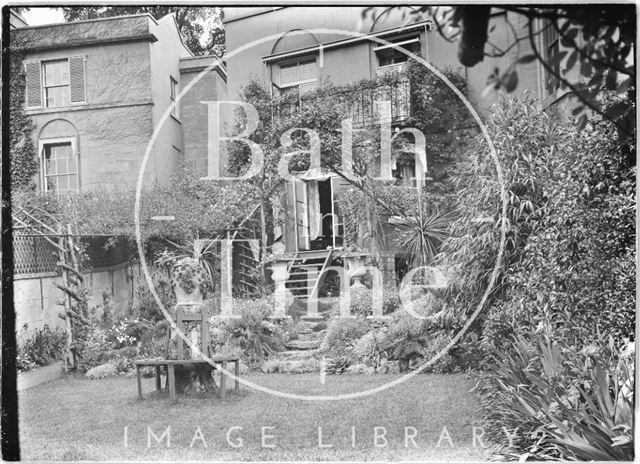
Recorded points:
(338, 364)
(103, 370)
(254, 332)
(342, 334)
(566, 404)
(570, 226)
(91, 347)
(302, 366)
(146, 306)
(41, 348)
(128, 332)
(366, 350)
(362, 301)
(412, 341)
(566, 285)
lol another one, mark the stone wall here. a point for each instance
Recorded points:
(36, 297)
(195, 121)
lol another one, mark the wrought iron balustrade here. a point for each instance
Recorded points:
(361, 105)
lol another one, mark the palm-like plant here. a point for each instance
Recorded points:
(422, 234)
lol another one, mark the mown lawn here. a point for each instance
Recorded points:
(78, 419)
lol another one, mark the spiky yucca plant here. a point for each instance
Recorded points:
(422, 234)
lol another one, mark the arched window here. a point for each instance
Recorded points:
(59, 157)
(297, 73)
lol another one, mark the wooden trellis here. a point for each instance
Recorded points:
(60, 240)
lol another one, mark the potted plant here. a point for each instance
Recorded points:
(190, 271)
(188, 278)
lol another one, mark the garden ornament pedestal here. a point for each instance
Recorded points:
(282, 295)
(187, 277)
(355, 268)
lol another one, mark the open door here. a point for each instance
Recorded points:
(301, 210)
(337, 184)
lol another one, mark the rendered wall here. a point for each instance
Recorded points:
(348, 63)
(115, 124)
(195, 118)
(36, 297)
(165, 54)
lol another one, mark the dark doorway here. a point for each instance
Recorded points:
(402, 265)
(325, 239)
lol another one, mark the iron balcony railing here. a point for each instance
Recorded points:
(359, 104)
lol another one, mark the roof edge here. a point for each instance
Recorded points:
(345, 41)
(110, 18)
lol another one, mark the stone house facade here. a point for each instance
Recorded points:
(96, 90)
(295, 49)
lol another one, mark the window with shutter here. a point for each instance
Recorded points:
(308, 71)
(301, 75)
(55, 81)
(392, 59)
(33, 81)
(77, 79)
(289, 74)
(60, 165)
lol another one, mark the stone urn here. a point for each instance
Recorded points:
(357, 269)
(188, 278)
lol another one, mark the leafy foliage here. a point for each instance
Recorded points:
(145, 305)
(200, 27)
(433, 111)
(42, 347)
(565, 290)
(22, 154)
(595, 55)
(200, 208)
(565, 403)
(342, 335)
(422, 234)
(254, 333)
(569, 226)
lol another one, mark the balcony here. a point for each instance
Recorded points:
(358, 102)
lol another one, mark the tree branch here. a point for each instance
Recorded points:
(575, 90)
(587, 56)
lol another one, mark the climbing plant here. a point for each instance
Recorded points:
(22, 154)
(435, 111)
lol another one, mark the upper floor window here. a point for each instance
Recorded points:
(173, 94)
(301, 75)
(55, 83)
(60, 166)
(391, 58)
(551, 49)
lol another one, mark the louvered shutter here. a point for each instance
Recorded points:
(289, 74)
(307, 71)
(76, 79)
(33, 81)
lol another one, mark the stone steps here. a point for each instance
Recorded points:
(303, 345)
(301, 354)
(293, 355)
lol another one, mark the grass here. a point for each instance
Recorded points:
(74, 418)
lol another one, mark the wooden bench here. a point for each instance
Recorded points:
(170, 365)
